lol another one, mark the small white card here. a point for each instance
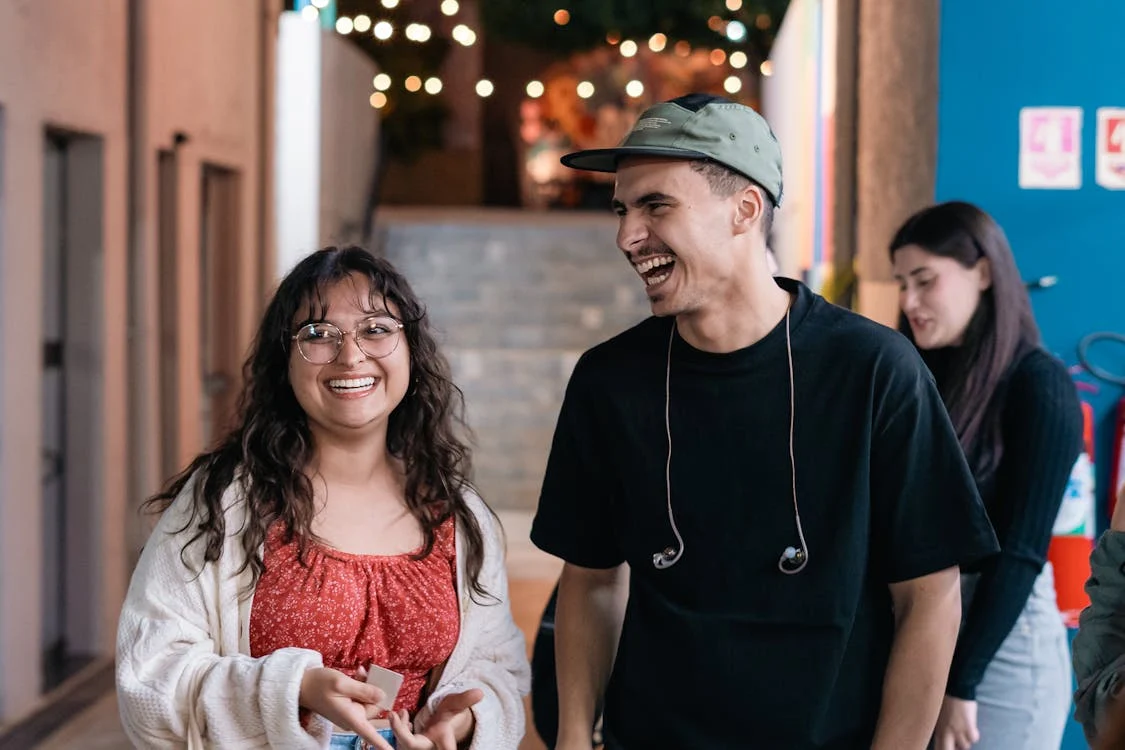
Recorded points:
(387, 681)
(1051, 148)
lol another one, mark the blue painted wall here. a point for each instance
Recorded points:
(996, 57)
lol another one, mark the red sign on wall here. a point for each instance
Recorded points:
(1115, 134)
(1111, 148)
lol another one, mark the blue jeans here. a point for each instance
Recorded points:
(1024, 699)
(349, 741)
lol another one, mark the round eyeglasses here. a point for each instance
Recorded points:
(320, 343)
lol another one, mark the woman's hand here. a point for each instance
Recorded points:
(956, 725)
(449, 724)
(347, 703)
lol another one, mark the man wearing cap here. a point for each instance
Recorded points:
(772, 480)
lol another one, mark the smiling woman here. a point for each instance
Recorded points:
(350, 381)
(331, 540)
(1017, 415)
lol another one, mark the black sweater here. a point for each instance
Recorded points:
(1041, 432)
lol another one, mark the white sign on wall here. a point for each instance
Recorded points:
(1051, 148)
(1110, 171)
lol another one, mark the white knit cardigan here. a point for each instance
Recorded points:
(185, 677)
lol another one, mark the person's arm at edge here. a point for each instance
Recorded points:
(588, 619)
(1099, 646)
(927, 617)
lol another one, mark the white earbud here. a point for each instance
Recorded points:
(792, 560)
(667, 558)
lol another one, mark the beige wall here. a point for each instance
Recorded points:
(349, 140)
(327, 144)
(61, 66)
(200, 72)
(202, 63)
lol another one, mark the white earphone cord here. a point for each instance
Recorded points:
(804, 550)
(669, 557)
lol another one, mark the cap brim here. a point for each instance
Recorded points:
(606, 159)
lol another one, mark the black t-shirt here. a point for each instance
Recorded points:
(722, 650)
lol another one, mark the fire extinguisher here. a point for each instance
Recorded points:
(1072, 539)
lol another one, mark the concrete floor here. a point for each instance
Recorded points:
(532, 576)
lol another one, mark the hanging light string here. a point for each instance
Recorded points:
(659, 43)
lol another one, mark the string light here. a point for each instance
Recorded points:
(310, 13)
(535, 89)
(388, 4)
(464, 35)
(461, 33)
(418, 32)
(734, 5)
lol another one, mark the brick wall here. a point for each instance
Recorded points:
(516, 297)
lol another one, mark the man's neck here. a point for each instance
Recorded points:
(736, 323)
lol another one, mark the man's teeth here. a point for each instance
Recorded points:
(651, 263)
(658, 279)
(344, 384)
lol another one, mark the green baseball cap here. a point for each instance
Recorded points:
(697, 126)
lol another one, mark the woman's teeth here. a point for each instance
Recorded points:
(351, 384)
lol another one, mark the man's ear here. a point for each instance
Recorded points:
(750, 207)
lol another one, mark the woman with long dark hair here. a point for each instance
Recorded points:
(331, 538)
(1017, 415)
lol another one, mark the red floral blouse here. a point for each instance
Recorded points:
(394, 611)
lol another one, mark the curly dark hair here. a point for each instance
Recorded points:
(271, 444)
